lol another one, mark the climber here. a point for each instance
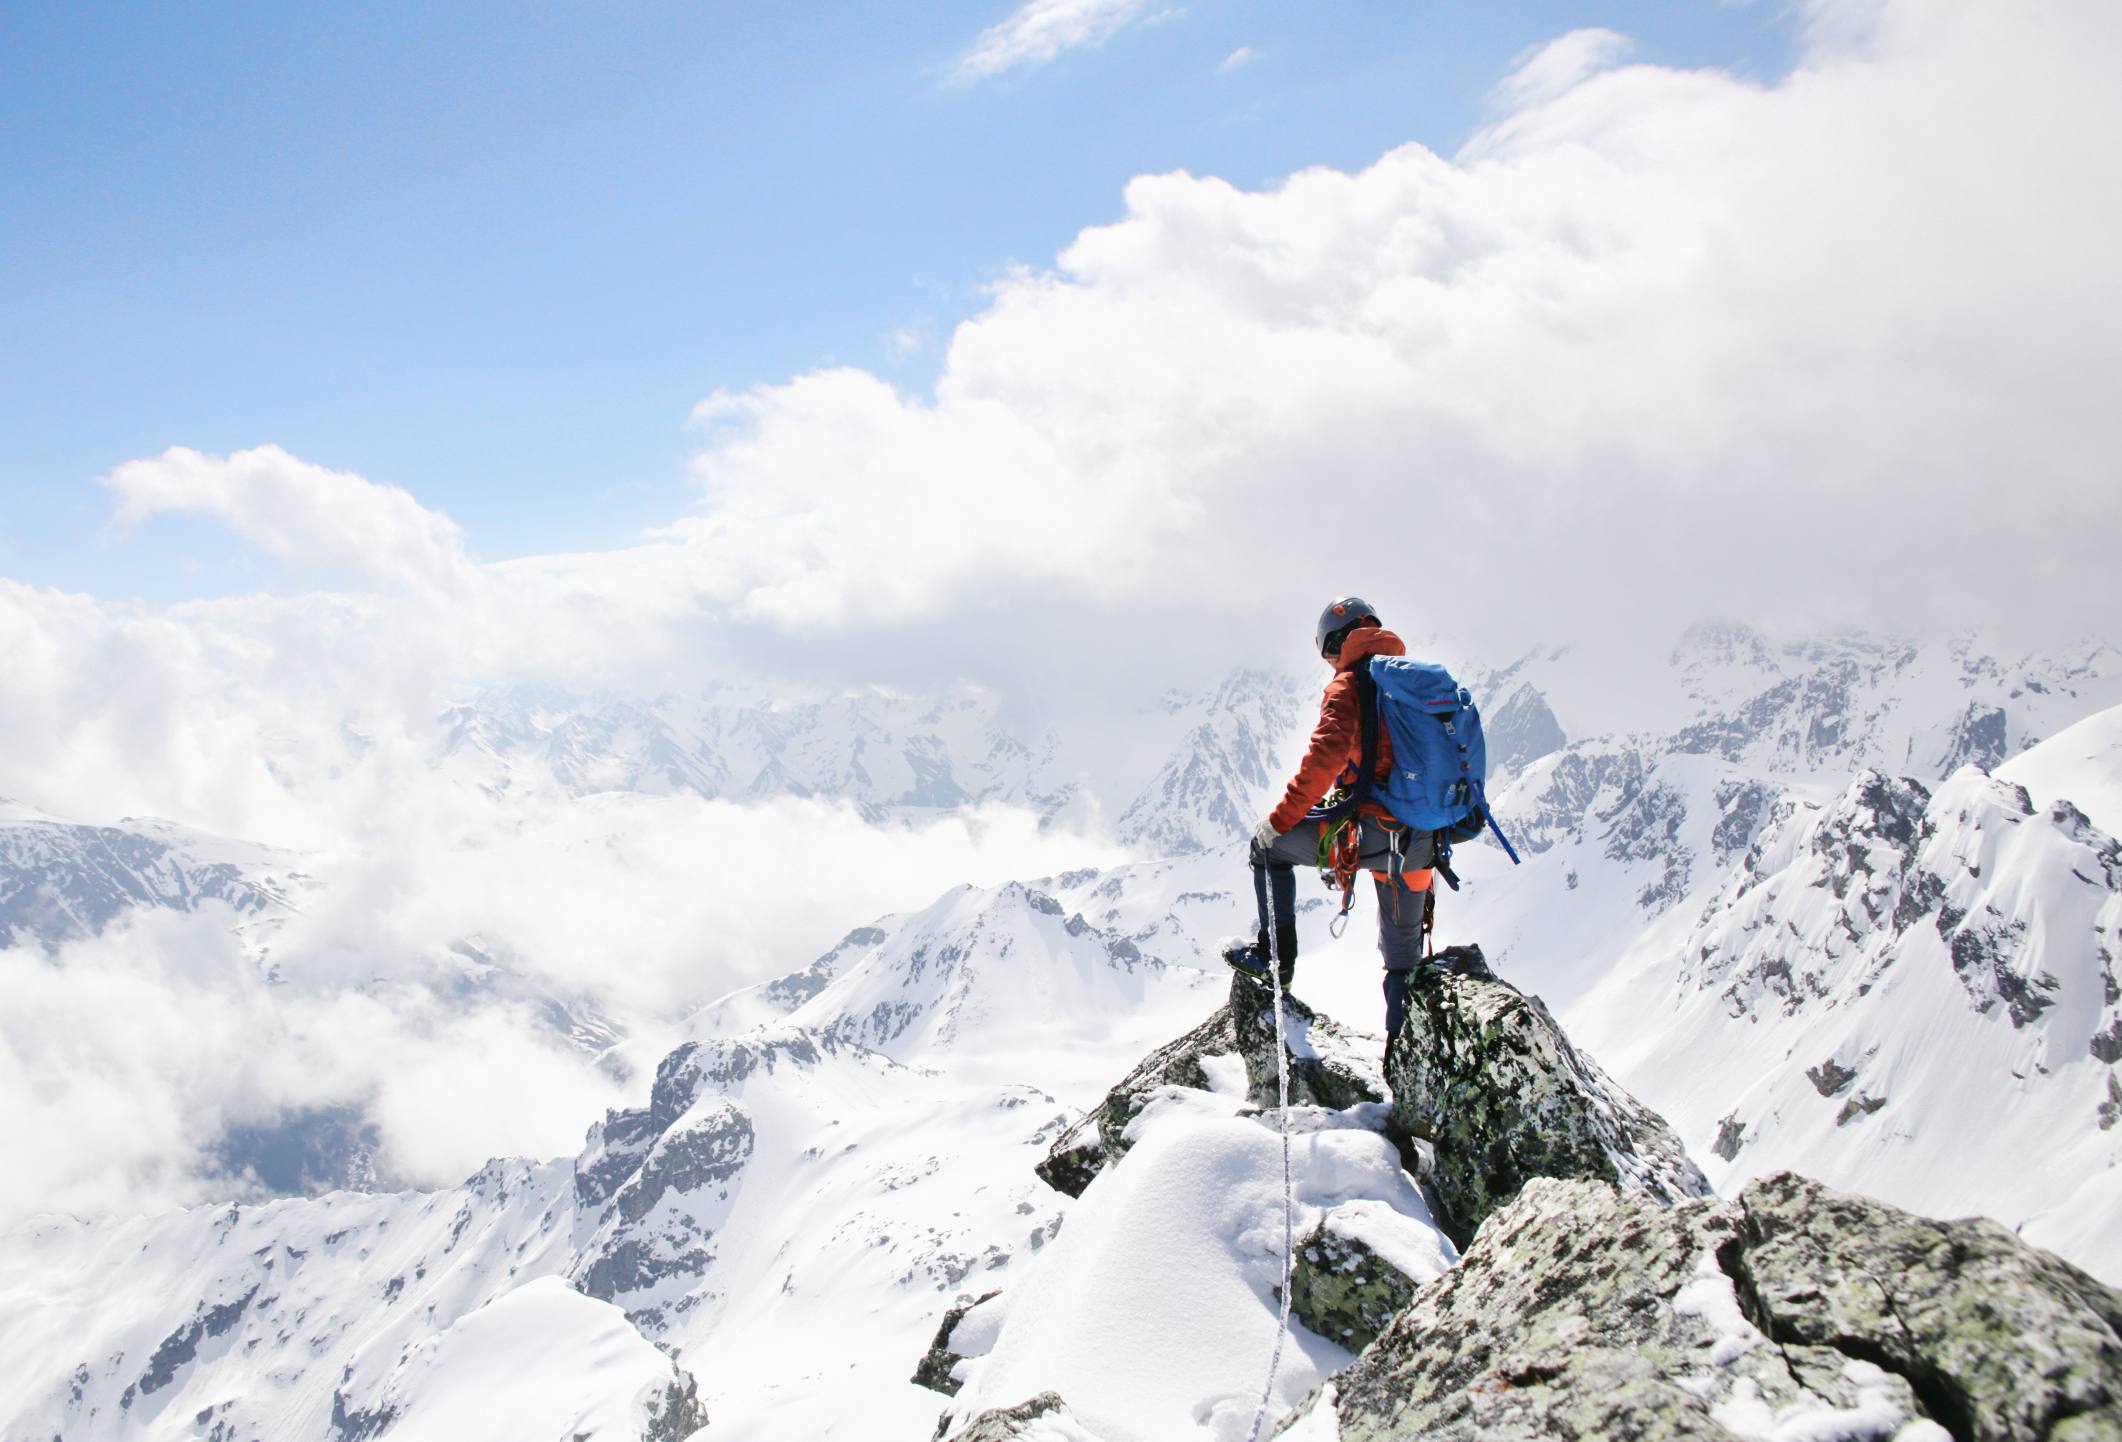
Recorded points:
(1397, 856)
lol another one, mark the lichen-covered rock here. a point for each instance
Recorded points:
(1999, 1340)
(1585, 1311)
(934, 1369)
(1342, 1289)
(1329, 1066)
(1484, 1074)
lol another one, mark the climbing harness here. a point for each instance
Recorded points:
(1289, 1220)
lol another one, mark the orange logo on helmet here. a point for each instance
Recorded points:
(1340, 610)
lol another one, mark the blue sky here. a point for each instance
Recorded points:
(493, 253)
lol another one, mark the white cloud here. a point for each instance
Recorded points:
(1238, 59)
(1040, 30)
(1562, 64)
(1662, 345)
(122, 1057)
(320, 521)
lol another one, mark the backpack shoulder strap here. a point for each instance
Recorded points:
(1367, 749)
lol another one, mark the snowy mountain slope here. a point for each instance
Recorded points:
(1658, 816)
(2081, 762)
(773, 1177)
(1226, 771)
(60, 881)
(292, 1319)
(1909, 994)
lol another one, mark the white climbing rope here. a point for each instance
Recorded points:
(1289, 1226)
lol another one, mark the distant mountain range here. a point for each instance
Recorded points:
(1851, 908)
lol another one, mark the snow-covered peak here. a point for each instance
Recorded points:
(1881, 978)
(2081, 764)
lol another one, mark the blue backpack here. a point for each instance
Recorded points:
(1440, 757)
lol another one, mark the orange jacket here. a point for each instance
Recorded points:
(1337, 743)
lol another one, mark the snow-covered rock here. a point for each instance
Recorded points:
(2081, 764)
(1155, 1313)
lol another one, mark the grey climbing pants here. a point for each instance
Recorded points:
(1399, 909)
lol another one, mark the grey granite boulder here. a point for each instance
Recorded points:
(1586, 1311)
(1998, 1339)
(1484, 1074)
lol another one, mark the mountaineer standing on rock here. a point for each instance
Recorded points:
(1367, 834)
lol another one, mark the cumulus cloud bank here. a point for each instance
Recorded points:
(1658, 343)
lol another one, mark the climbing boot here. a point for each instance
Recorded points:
(1250, 958)
(1244, 957)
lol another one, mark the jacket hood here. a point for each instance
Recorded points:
(1361, 645)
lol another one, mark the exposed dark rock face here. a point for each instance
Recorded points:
(1587, 1312)
(660, 1179)
(1328, 1067)
(182, 1345)
(1485, 1075)
(934, 1369)
(677, 1414)
(999, 1424)
(1979, 737)
(1830, 1078)
(1343, 1290)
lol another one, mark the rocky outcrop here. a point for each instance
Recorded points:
(999, 1424)
(1483, 1073)
(1328, 1067)
(934, 1369)
(1587, 1311)
(677, 1414)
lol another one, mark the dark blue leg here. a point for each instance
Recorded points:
(1395, 1002)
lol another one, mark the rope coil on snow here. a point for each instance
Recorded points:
(1289, 1228)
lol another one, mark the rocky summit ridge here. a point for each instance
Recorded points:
(1603, 1291)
